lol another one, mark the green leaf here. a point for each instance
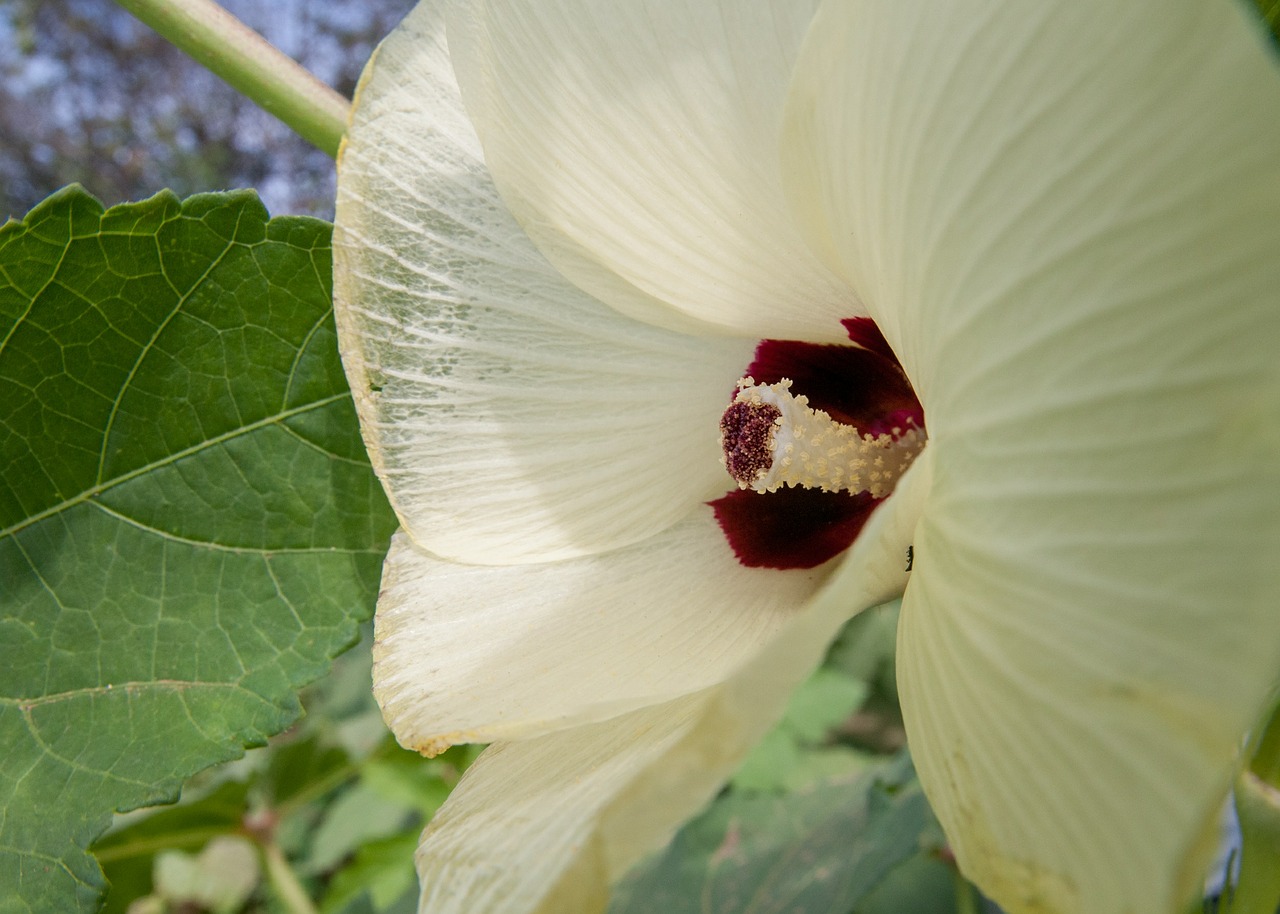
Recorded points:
(358, 815)
(128, 853)
(866, 646)
(923, 884)
(793, 755)
(818, 706)
(818, 851)
(189, 527)
(416, 783)
(302, 770)
(383, 869)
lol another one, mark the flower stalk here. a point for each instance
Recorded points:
(246, 61)
(289, 891)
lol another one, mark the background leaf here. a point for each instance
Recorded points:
(189, 528)
(823, 850)
(796, 753)
(381, 875)
(128, 856)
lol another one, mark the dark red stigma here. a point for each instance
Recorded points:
(746, 434)
(863, 386)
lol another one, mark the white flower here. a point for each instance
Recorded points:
(1062, 216)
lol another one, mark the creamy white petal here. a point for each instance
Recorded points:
(1064, 218)
(546, 825)
(511, 417)
(468, 653)
(638, 144)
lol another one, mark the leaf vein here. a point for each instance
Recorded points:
(182, 298)
(100, 488)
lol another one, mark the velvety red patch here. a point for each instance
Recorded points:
(791, 528)
(863, 386)
(864, 332)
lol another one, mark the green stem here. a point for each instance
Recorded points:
(233, 51)
(966, 896)
(284, 881)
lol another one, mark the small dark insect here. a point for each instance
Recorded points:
(911, 556)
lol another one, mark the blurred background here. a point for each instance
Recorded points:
(88, 94)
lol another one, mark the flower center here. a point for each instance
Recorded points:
(812, 467)
(772, 438)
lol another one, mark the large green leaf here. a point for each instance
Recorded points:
(822, 850)
(189, 527)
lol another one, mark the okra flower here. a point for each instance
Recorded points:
(572, 232)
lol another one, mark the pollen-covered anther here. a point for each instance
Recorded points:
(773, 439)
(746, 436)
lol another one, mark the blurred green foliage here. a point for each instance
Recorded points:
(334, 796)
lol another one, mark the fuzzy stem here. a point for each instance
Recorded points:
(239, 55)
